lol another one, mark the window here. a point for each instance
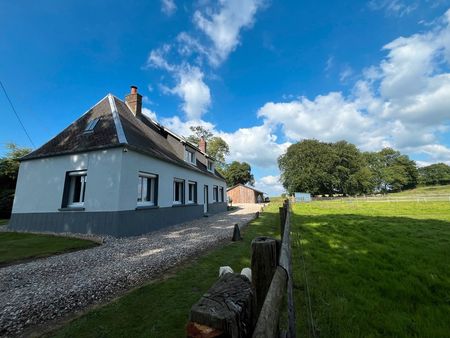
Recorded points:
(147, 189)
(178, 191)
(189, 156)
(215, 193)
(91, 125)
(74, 189)
(192, 192)
(210, 166)
(221, 194)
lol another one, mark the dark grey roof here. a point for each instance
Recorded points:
(117, 126)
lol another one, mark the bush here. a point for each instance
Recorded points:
(6, 203)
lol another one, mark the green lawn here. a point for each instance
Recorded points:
(3, 221)
(15, 247)
(161, 309)
(373, 269)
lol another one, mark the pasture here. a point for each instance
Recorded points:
(372, 269)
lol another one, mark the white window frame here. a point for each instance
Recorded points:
(210, 164)
(189, 156)
(194, 192)
(142, 188)
(70, 199)
(215, 193)
(181, 191)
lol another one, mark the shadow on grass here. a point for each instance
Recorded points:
(372, 276)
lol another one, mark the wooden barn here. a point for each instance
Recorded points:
(244, 194)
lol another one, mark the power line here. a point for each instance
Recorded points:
(17, 115)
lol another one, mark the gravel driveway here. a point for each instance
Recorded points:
(46, 289)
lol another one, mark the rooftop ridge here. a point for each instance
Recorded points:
(116, 118)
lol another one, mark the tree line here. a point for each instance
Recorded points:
(341, 168)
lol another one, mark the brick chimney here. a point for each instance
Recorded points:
(202, 144)
(134, 101)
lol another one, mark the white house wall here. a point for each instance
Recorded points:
(40, 183)
(134, 162)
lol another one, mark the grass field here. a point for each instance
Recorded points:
(426, 190)
(3, 221)
(16, 247)
(373, 269)
(161, 309)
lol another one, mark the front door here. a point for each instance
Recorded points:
(205, 199)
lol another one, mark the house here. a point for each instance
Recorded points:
(115, 171)
(244, 194)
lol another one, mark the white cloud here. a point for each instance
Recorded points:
(270, 185)
(168, 7)
(403, 102)
(223, 26)
(256, 145)
(149, 113)
(193, 91)
(190, 86)
(393, 7)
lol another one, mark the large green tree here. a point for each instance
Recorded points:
(340, 168)
(391, 170)
(238, 172)
(434, 174)
(216, 146)
(308, 166)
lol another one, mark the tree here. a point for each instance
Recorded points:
(9, 169)
(391, 170)
(216, 146)
(9, 166)
(434, 174)
(308, 166)
(238, 172)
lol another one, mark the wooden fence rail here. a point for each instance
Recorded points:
(233, 305)
(268, 320)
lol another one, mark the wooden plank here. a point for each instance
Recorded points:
(229, 306)
(267, 324)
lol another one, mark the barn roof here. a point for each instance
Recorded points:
(245, 186)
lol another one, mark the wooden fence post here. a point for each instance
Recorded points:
(282, 221)
(264, 264)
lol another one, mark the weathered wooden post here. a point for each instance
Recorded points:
(226, 310)
(264, 264)
(257, 214)
(282, 220)
(236, 233)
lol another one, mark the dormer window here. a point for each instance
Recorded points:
(189, 156)
(210, 166)
(91, 125)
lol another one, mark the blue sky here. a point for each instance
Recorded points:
(261, 74)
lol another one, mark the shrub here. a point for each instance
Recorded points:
(6, 203)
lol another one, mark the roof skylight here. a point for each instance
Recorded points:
(91, 125)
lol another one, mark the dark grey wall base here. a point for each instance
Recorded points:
(217, 207)
(114, 223)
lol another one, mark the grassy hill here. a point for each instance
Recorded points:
(426, 190)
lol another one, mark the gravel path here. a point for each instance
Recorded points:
(46, 289)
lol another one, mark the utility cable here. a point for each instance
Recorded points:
(17, 115)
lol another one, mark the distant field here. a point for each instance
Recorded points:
(372, 269)
(16, 247)
(427, 190)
